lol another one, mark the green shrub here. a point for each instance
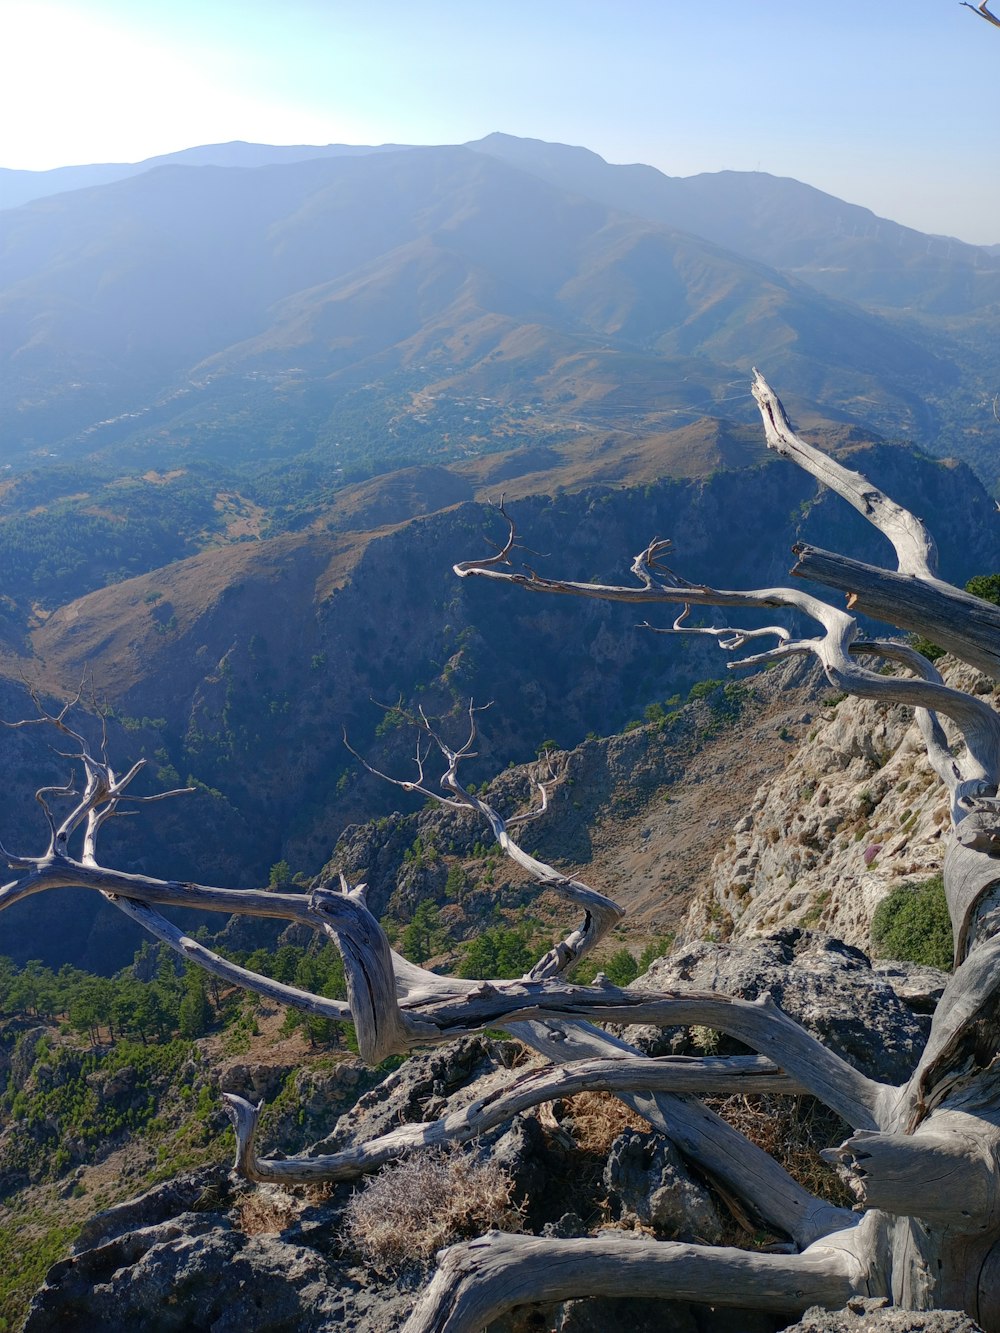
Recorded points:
(702, 689)
(986, 586)
(912, 925)
(929, 650)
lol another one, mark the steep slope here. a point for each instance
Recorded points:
(857, 812)
(837, 247)
(241, 666)
(206, 297)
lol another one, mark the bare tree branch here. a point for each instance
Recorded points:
(679, 1074)
(915, 550)
(602, 914)
(982, 10)
(483, 1279)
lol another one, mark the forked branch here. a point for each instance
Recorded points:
(601, 914)
(677, 1074)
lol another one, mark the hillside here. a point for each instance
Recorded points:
(836, 247)
(92, 1124)
(362, 304)
(858, 813)
(239, 667)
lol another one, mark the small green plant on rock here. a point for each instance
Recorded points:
(912, 925)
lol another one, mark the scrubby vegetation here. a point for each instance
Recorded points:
(912, 925)
(414, 1207)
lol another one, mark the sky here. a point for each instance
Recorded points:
(886, 103)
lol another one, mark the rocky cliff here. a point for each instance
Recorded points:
(857, 812)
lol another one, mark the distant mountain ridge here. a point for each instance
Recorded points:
(837, 247)
(21, 187)
(432, 271)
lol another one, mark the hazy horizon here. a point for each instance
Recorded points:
(877, 108)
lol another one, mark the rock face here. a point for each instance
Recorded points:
(857, 811)
(870, 1316)
(648, 1180)
(868, 1017)
(199, 1271)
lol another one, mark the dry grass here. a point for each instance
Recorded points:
(265, 1211)
(597, 1119)
(792, 1130)
(411, 1209)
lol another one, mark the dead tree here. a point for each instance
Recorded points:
(983, 11)
(923, 1160)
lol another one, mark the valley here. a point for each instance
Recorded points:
(255, 404)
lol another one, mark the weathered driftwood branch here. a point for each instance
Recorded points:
(719, 1150)
(386, 1025)
(961, 1052)
(912, 598)
(915, 549)
(925, 1174)
(947, 1115)
(758, 1023)
(708, 1076)
(601, 914)
(479, 1281)
(193, 952)
(954, 619)
(975, 719)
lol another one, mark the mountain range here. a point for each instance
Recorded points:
(254, 398)
(570, 296)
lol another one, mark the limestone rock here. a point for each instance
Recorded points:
(648, 1181)
(856, 812)
(871, 1316)
(828, 986)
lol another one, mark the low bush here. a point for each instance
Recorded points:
(411, 1209)
(912, 925)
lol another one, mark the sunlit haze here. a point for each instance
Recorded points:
(884, 104)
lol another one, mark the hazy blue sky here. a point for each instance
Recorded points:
(888, 103)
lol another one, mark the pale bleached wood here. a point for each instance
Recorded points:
(983, 11)
(758, 1023)
(962, 1046)
(947, 1162)
(916, 552)
(704, 1076)
(978, 723)
(483, 1279)
(385, 1027)
(719, 1150)
(601, 914)
(193, 952)
(966, 626)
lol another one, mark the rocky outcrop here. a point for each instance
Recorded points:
(651, 1187)
(857, 811)
(208, 1252)
(870, 1018)
(871, 1316)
